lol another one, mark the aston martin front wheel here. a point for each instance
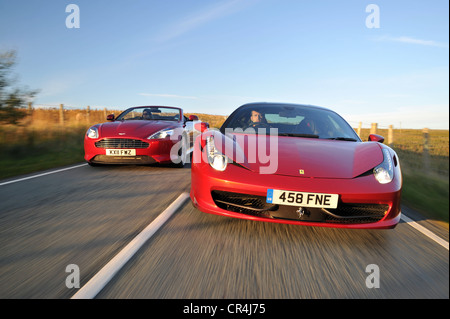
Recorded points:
(182, 153)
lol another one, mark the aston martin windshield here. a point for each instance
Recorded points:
(290, 120)
(151, 114)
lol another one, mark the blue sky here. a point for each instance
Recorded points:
(211, 56)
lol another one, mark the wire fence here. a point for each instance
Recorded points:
(420, 150)
(423, 150)
(66, 115)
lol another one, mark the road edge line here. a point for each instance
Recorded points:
(425, 231)
(99, 281)
(42, 174)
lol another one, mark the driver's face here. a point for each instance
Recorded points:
(256, 116)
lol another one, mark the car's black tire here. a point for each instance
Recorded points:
(182, 153)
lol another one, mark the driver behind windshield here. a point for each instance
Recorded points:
(146, 114)
(257, 120)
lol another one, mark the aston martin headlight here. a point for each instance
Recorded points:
(92, 132)
(384, 173)
(161, 134)
(216, 159)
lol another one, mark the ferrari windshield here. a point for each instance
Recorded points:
(290, 120)
(151, 113)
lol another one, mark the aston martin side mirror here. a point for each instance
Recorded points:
(201, 127)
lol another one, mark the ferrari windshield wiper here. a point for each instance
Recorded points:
(341, 138)
(299, 135)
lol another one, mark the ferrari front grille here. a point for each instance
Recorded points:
(242, 203)
(121, 143)
(257, 205)
(356, 213)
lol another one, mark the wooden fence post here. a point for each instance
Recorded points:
(61, 114)
(374, 128)
(88, 114)
(30, 108)
(391, 135)
(426, 149)
(359, 129)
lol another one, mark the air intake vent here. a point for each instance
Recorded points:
(121, 143)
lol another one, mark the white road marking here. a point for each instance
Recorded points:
(424, 231)
(40, 175)
(151, 229)
(99, 281)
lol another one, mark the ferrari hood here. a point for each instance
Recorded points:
(304, 157)
(139, 129)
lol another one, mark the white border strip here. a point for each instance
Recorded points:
(424, 231)
(43, 174)
(99, 281)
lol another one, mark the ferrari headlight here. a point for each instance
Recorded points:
(161, 134)
(384, 173)
(217, 160)
(92, 132)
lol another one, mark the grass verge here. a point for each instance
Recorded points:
(27, 151)
(36, 151)
(427, 194)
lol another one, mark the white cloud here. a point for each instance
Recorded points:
(430, 116)
(200, 18)
(169, 96)
(411, 40)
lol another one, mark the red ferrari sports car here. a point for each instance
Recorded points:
(141, 135)
(295, 164)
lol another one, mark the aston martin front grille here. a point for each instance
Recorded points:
(121, 143)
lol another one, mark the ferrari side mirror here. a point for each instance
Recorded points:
(110, 117)
(376, 138)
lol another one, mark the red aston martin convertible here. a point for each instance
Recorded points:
(141, 135)
(295, 164)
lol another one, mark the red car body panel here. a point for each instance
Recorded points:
(139, 129)
(157, 151)
(318, 158)
(328, 166)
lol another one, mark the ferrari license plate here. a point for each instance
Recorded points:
(120, 152)
(318, 200)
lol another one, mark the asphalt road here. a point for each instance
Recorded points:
(85, 216)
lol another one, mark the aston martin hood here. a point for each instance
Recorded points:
(304, 157)
(139, 129)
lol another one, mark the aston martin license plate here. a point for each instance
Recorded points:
(121, 152)
(318, 200)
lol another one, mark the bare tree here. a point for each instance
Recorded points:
(13, 100)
